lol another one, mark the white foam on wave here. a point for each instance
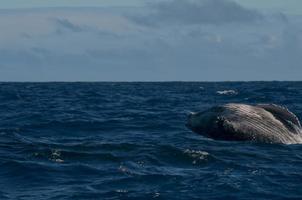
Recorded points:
(227, 92)
(197, 155)
(56, 156)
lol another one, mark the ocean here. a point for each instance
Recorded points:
(129, 141)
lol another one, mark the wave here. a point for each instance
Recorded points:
(129, 141)
(227, 92)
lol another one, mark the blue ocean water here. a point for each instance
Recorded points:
(129, 141)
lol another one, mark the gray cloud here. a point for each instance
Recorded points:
(67, 25)
(198, 12)
(108, 46)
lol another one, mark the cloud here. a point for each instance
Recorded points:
(193, 12)
(66, 24)
(185, 44)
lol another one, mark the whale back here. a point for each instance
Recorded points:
(265, 123)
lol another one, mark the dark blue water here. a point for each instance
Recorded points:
(129, 141)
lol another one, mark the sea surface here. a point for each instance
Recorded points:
(129, 141)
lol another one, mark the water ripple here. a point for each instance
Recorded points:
(128, 141)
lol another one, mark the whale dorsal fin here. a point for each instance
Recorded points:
(283, 114)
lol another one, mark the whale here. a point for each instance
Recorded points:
(262, 123)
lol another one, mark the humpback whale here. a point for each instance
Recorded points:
(263, 123)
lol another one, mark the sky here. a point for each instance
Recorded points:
(69, 3)
(159, 40)
(288, 6)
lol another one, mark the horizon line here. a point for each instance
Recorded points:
(194, 81)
